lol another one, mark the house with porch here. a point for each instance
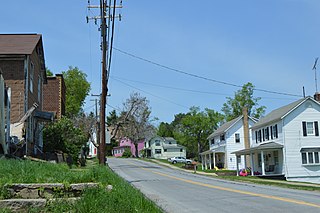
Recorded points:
(228, 138)
(164, 148)
(286, 143)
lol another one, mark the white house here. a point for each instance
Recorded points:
(228, 138)
(164, 148)
(287, 142)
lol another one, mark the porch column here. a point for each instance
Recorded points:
(262, 163)
(214, 160)
(252, 164)
(202, 163)
(237, 164)
(210, 165)
(245, 161)
(205, 160)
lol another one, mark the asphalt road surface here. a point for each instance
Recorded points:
(178, 191)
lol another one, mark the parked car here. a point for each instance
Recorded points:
(179, 160)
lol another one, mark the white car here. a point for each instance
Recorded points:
(179, 160)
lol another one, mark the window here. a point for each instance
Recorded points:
(237, 137)
(256, 133)
(212, 141)
(310, 128)
(275, 131)
(266, 133)
(310, 156)
(31, 77)
(165, 150)
(181, 150)
(157, 142)
(222, 138)
(157, 151)
(39, 88)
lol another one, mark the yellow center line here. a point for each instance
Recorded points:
(235, 190)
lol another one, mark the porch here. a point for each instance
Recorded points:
(263, 160)
(213, 158)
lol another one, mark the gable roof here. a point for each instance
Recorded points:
(224, 127)
(281, 112)
(18, 44)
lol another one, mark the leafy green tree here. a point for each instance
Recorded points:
(77, 90)
(64, 136)
(194, 128)
(126, 153)
(49, 73)
(243, 98)
(165, 130)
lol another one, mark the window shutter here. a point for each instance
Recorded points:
(276, 130)
(316, 128)
(256, 136)
(304, 128)
(271, 133)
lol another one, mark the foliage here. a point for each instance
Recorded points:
(165, 130)
(77, 90)
(49, 73)
(126, 153)
(243, 98)
(194, 127)
(64, 136)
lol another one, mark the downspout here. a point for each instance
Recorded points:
(26, 91)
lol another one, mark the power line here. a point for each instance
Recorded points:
(152, 94)
(198, 76)
(184, 89)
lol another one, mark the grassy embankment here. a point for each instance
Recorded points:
(226, 174)
(122, 198)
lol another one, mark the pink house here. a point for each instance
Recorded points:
(127, 143)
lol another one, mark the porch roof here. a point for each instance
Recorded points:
(264, 146)
(220, 149)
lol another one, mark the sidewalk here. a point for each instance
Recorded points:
(256, 180)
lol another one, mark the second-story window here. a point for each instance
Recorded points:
(157, 142)
(212, 141)
(310, 128)
(222, 138)
(237, 137)
(31, 77)
(39, 88)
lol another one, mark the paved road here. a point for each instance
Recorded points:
(178, 191)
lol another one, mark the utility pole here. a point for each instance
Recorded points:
(97, 122)
(105, 73)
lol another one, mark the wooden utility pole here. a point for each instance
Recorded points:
(105, 73)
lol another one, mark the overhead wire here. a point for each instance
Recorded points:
(198, 76)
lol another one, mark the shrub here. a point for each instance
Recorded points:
(126, 153)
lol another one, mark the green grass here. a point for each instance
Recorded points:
(122, 198)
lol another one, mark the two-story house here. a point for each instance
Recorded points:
(286, 142)
(126, 143)
(164, 148)
(23, 67)
(228, 138)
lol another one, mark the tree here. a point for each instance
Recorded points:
(194, 127)
(134, 121)
(77, 90)
(243, 98)
(64, 136)
(165, 130)
(48, 71)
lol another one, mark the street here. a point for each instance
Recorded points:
(179, 191)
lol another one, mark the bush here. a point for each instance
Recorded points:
(126, 153)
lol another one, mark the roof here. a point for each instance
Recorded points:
(224, 127)
(18, 44)
(279, 113)
(175, 146)
(264, 146)
(220, 149)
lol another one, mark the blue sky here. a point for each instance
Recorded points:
(270, 43)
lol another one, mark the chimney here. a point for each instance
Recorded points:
(246, 133)
(316, 96)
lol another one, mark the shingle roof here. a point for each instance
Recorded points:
(18, 43)
(224, 127)
(277, 114)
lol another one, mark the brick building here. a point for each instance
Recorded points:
(54, 95)
(23, 68)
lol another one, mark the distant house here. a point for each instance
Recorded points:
(126, 143)
(23, 68)
(54, 95)
(164, 148)
(286, 142)
(228, 138)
